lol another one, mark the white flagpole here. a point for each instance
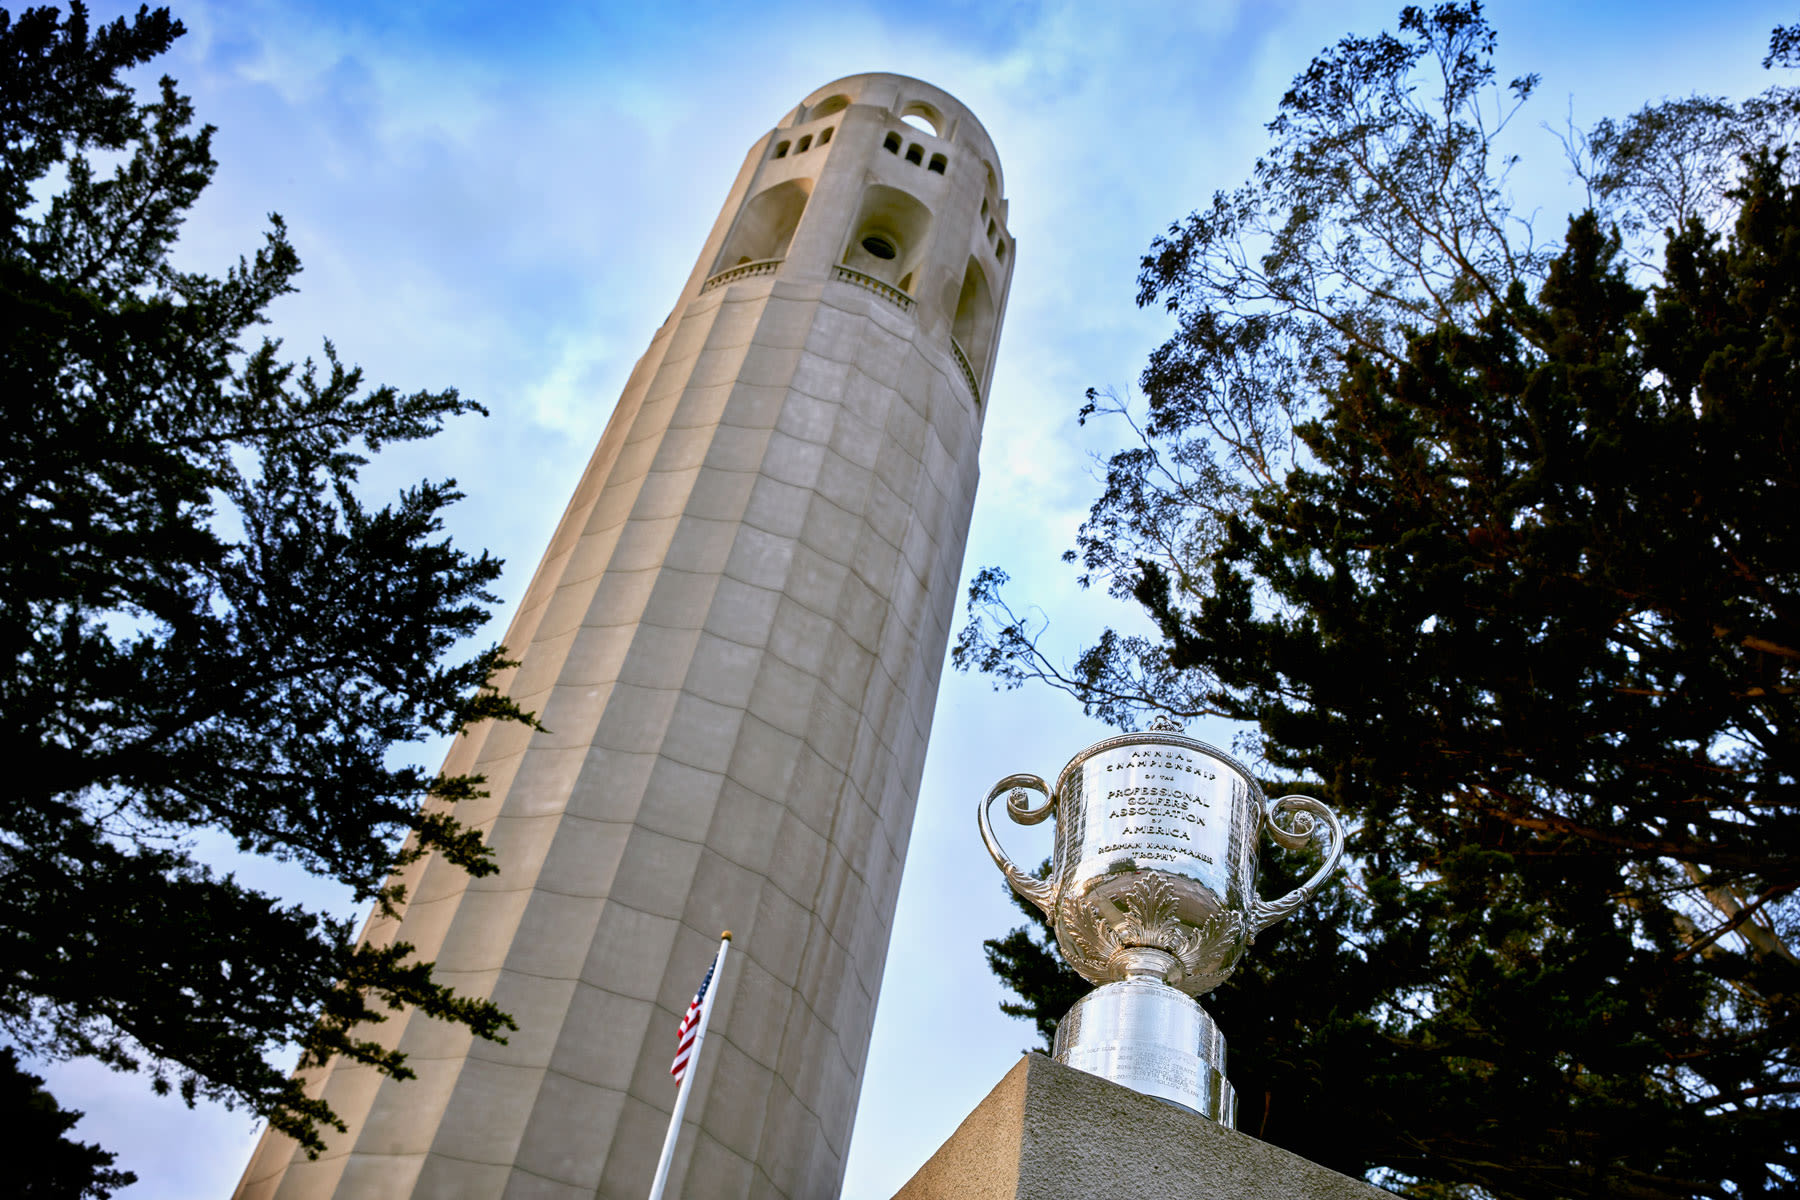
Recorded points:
(693, 1071)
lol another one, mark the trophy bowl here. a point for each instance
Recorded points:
(1152, 892)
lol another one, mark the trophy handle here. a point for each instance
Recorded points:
(1040, 892)
(1308, 815)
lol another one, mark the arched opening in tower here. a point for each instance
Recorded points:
(922, 116)
(973, 327)
(765, 227)
(889, 237)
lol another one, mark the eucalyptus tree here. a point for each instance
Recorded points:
(1489, 541)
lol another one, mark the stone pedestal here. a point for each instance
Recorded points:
(1050, 1132)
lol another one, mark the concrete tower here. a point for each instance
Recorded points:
(734, 643)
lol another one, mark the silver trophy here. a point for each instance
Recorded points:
(1152, 892)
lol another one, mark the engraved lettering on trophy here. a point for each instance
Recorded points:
(1149, 808)
(1142, 850)
(1158, 808)
(1157, 793)
(1177, 762)
(1160, 1067)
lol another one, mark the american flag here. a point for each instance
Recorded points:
(684, 1036)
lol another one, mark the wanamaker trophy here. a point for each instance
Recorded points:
(1152, 893)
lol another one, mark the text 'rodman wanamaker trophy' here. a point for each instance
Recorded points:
(1152, 892)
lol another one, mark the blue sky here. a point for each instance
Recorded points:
(507, 199)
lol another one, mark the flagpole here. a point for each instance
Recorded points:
(688, 1076)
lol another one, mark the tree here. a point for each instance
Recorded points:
(1378, 208)
(1026, 960)
(1381, 207)
(206, 627)
(1500, 560)
(57, 1168)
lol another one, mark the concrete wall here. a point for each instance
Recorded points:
(1051, 1132)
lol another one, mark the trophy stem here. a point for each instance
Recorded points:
(1145, 1035)
(1146, 962)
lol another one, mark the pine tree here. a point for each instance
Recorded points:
(1519, 598)
(206, 626)
(58, 1167)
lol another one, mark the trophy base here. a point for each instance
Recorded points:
(1154, 1039)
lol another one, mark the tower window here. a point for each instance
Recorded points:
(914, 155)
(991, 227)
(1000, 248)
(938, 162)
(984, 206)
(892, 233)
(891, 143)
(781, 149)
(825, 135)
(923, 116)
(973, 327)
(805, 145)
(765, 225)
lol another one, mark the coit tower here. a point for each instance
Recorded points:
(733, 644)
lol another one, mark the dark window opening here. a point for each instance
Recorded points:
(781, 149)
(891, 143)
(805, 145)
(825, 135)
(938, 163)
(879, 246)
(991, 227)
(914, 155)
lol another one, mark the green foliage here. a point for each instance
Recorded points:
(1380, 208)
(1677, 161)
(1784, 47)
(56, 1168)
(1536, 633)
(1502, 561)
(1377, 208)
(206, 627)
(1027, 962)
